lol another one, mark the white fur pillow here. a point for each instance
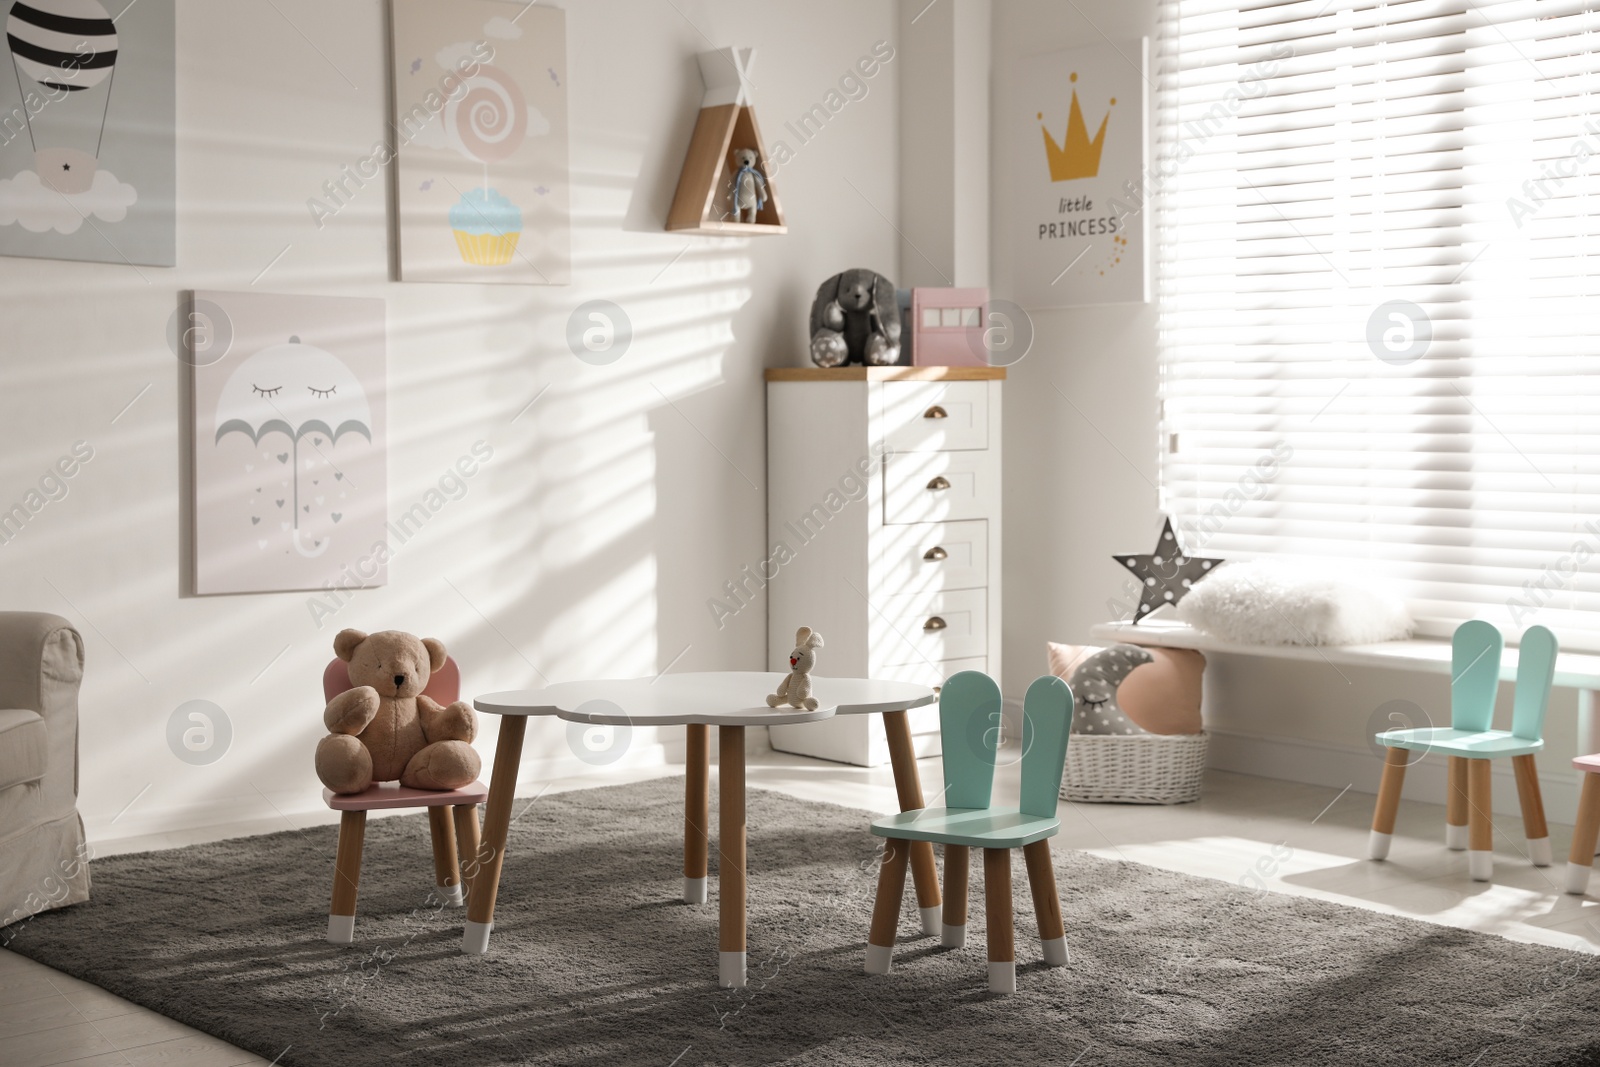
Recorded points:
(1264, 602)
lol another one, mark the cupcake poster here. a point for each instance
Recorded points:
(480, 94)
(290, 474)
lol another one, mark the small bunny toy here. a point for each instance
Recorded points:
(795, 690)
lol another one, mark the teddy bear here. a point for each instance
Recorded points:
(749, 185)
(795, 690)
(855, 319)
(384, 729)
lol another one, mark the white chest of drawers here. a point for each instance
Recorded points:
(883, 530)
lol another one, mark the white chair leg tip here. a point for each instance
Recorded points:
(931, 921)
(1055, 951)
(1455, 838)
(1539, 851)
(341, 929)
(1578, 879)
(1003, 977)
(953, 936)
(731, 970)
(450, 894)
(1378, 845)
(475, 937)
(879, 958)
(1480, 864)
(694, 890)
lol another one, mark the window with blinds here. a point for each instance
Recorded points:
(1378, 262)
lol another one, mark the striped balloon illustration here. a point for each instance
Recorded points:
(62, 44)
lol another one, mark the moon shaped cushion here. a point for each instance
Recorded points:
(1127, 689)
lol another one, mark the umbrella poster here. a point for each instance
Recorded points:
(290, 477)
(480, 107)
(87, 146)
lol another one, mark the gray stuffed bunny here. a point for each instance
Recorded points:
(855, 319)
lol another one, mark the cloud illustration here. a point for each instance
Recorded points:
(27, 201)
(452, 55)
(503, 28)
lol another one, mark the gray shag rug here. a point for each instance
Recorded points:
(594, 960)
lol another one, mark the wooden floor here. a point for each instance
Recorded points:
(1288, 838)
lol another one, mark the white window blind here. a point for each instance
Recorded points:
(1315, 163)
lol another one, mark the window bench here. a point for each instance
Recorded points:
(1574, 670)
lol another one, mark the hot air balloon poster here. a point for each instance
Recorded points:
(290, 477)
(480, 99)
(87, 146)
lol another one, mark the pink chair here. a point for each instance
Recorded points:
(450, 842)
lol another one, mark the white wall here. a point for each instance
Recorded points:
(612, 509)
(1082, 433)
(1081, 412)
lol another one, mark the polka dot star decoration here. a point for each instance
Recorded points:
(1167, 574)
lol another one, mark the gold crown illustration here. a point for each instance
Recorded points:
(1079, 157)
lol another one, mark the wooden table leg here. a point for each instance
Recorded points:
(496, 827)
(1588, 735)
(346, 877)
(467, 844)
(696, 812)
(446, 867)
(1580, 861)
(730, 857)
(908, 789)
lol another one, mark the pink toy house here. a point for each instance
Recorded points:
(947, 327)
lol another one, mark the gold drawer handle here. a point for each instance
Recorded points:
(941, 482)
(936, 554)
(934, 623)
(936, 412)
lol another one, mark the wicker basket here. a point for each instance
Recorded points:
(1139, 769)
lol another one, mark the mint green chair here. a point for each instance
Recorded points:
(1470, 744)
(969, 726)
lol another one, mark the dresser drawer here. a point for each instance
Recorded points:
(931, 556)
(935, 416)
(924, 628)
(933, 674)
(940, 486)
(925, 720)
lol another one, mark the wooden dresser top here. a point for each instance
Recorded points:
(885, 374)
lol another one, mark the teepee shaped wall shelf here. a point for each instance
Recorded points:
(703, 202)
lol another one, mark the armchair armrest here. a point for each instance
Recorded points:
(41, 668)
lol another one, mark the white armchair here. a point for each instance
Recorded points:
(43, 857)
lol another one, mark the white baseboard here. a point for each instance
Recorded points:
(1338, 766)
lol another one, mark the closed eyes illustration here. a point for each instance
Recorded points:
(271, 391)
(307, 390)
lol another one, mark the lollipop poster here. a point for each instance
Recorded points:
(290, 477)
(87, 146)
(480, 100)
